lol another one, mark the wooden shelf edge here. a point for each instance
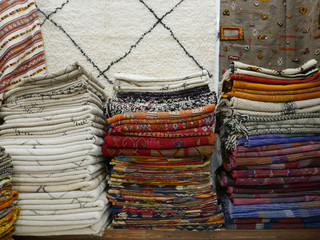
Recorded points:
(114, 234)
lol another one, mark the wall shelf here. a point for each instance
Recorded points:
(113, 234)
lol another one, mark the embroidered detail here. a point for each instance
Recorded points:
(264, 16)
(285, 40)
(233, 58)
(233, 5)
(296, 60)
(260, 55)
(306, 30)
(247, 47)
(280, 61)
(280, 23)
(262, 37)
(226, 12)
(254, 68)
(231, 33)
(303, 10)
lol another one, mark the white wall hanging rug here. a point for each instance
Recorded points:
(150, 37)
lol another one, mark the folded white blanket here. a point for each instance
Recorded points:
(62, 197)
(91, 149)
(33, 178)
(56, 220)
(62, 100)
(67, 114)
(24, 144)
(52, 128)
(72, 206)
(71, 73)
(85, 161)
(63, 175)
(61, 107)
(83, 186)
(263, 75)
(43, 140)
(37, 122)
(127, 82)
(68, 229)
(50, 168)
(58, 132)
(55, 182)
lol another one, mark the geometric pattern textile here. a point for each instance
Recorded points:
(21, 46)
(154, 38)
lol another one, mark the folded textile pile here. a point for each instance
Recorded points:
(8, 213)
(53, 129)
(161, 140)
(269, 126)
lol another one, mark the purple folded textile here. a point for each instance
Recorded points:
(275, 210)
(268, 139)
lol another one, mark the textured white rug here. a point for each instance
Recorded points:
(150, 37)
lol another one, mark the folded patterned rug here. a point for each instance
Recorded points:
(298, 209)
(117, 106)
(300, 198)
(163, 115)
(204, 150)
(164, 95)
(274, 173)
(160, 127)
(159, 142)
(226, 179)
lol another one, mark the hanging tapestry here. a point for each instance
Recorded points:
(269, 33)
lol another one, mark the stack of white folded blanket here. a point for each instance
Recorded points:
(53, 129)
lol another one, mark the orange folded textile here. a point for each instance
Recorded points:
(14, 196)
(163, 115)
(6, 226)
(272, 98)
(270, 87)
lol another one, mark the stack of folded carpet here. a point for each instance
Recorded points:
(269, 123)
(8, 213)
(53, 129)
(161, 140)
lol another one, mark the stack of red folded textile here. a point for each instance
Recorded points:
(161, 143)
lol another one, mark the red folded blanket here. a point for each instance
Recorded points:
(204, 151)
(158, 143)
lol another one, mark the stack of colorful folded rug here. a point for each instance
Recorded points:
(53, 129)
(161, 140)
(8, 213)
(269, 123)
